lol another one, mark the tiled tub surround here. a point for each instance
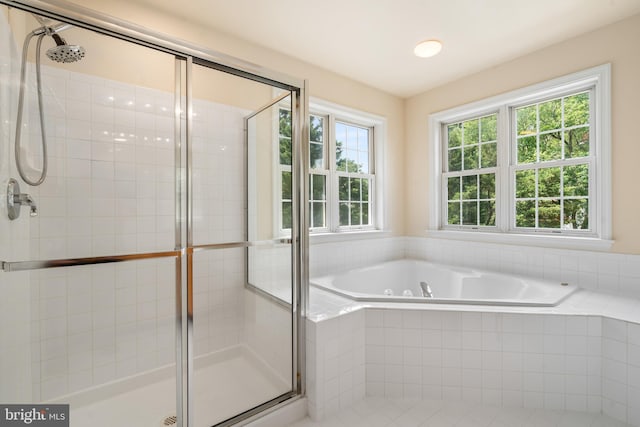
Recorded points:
(335, 361)
(518, 358)
(611, 273)
(583, 354)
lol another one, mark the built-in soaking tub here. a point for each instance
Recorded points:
(413, 281)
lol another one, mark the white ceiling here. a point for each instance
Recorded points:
(372, 40)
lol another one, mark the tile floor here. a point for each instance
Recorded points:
(380, 412)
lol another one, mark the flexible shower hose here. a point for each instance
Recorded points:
(17, 145)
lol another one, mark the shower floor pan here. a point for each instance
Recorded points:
(226, 384)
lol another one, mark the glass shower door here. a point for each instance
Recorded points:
(242, 340)
(152, 287)
(88, 292)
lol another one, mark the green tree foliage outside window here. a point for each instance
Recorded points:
(352, 160)
(317, 181)
(317, 191)
(284, 130)
(352, 163)
(287, 204)
(551, 180)
(318, 200)
(284, 135)
(471, 195)
(316, 142)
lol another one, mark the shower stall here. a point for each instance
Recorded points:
(143, 282)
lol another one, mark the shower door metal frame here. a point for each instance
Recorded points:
(190, 54)
(299, 226)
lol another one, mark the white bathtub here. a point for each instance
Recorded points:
(400, 280)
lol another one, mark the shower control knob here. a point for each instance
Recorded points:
(15, 199)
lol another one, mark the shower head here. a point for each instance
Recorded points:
(64, 52)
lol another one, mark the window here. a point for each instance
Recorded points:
(531, 162)
(471, 172)
(318, 173)
(355, 178)
(553, 161)
(342, 170)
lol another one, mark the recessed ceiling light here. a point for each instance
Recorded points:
(428, 48)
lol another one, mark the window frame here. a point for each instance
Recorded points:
(279, 168)
(336, 175)
(598, 81)
(445, 174)
(326, 158)
(376, 127)
(589, 160)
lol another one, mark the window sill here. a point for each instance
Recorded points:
(546, 241)
(345, 236)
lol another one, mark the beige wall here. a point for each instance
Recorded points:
(617, 44)
(323, 84)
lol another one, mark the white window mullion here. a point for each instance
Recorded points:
(505, 204)
(595, 209)
(332, 181)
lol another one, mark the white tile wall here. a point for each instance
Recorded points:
(620, 370)
(325, 258)
(491, 358)
(218, 310)
(110, 189)
(15, 310)
(219, 205)
(270, 270)
(572, 362)
(335, 363)
(551, 361)
(633, 373)
(96, 324)
(596, 271)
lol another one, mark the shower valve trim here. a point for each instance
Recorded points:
(15, 199)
